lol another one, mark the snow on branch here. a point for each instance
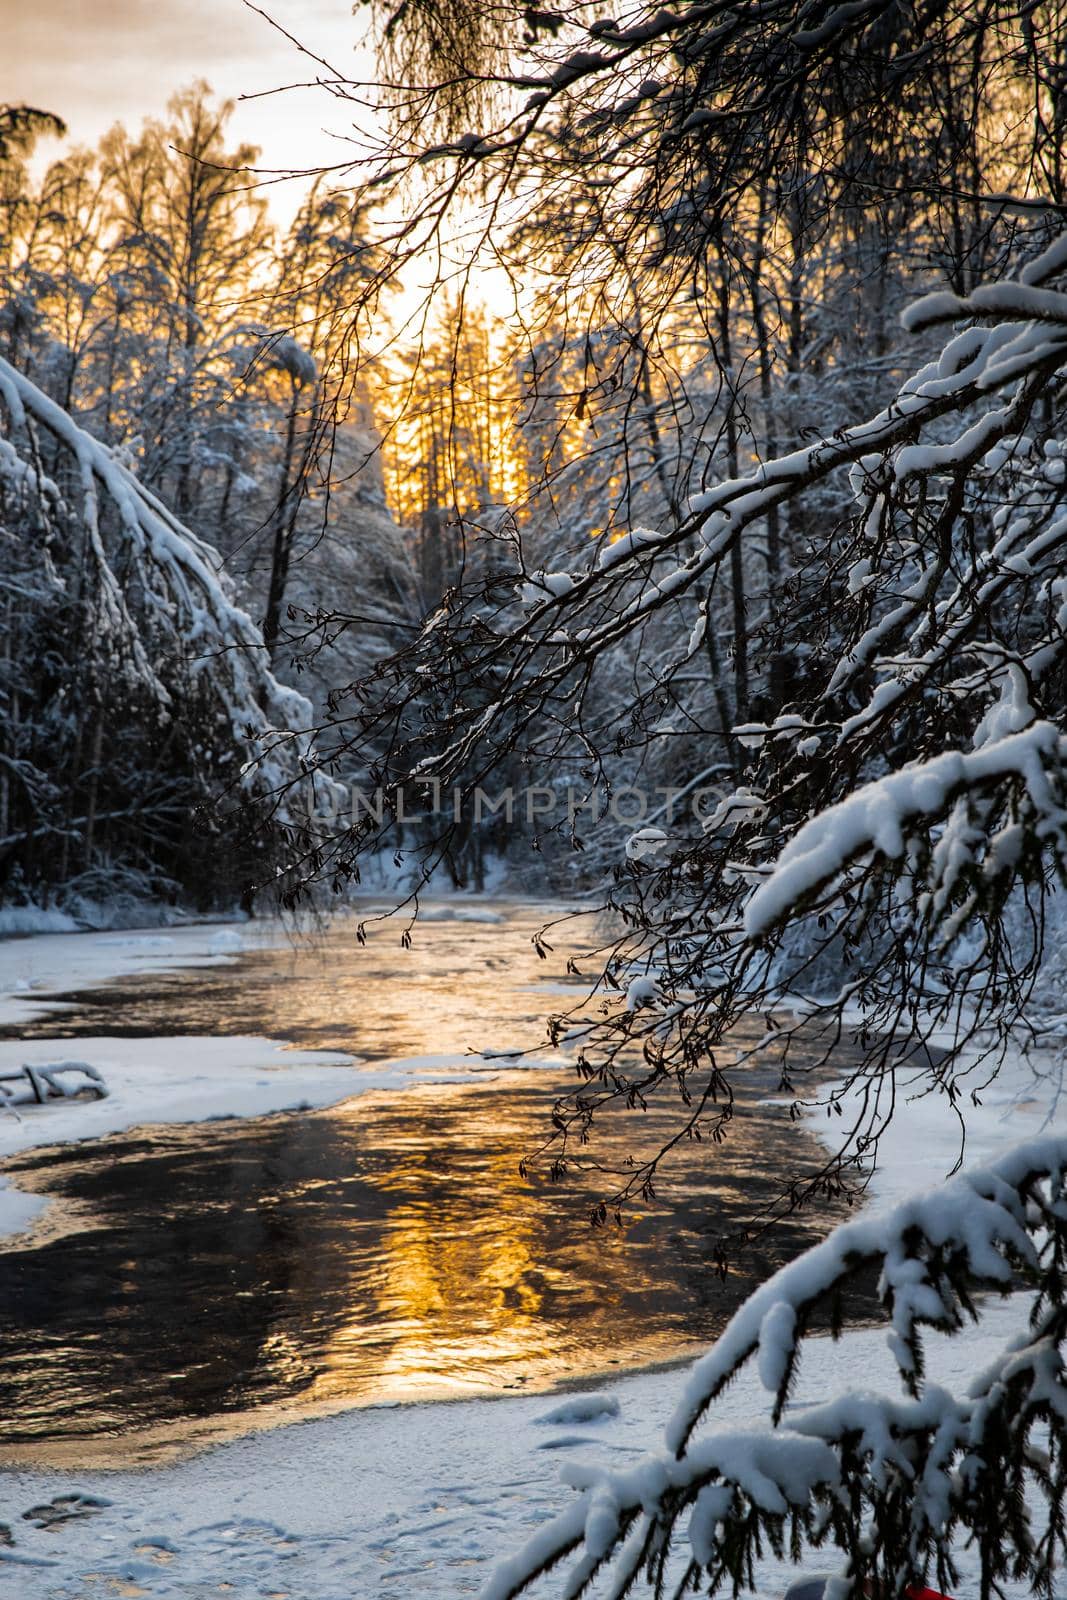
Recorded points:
(891, 1481)
(878, 815)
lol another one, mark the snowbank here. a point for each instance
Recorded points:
(34, 919)
(926, 1139)
(54, 962)
(187, 1079)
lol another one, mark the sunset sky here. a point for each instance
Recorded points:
(96, 62)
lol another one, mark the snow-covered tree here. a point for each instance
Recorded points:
(143, 290)
(136, 693)
(192, 237)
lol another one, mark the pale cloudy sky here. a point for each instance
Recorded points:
(95, 62)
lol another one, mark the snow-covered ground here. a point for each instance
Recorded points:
(408, 1499)
(414, 1500)
(33, 969)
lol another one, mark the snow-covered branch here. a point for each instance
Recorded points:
(895, 1483)
(884, 814)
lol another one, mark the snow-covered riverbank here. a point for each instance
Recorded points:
(35, 968)
(148, 1081)
(383, 1500)
(391, 1502)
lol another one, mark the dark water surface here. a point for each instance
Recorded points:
(385, 1249)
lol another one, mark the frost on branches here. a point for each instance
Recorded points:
(135, 689)
(895, 1483)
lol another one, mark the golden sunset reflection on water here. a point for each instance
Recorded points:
(229, 1274)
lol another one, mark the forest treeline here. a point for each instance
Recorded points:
(661, 325)
(146, 289)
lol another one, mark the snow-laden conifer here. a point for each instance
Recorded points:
(890, 1486)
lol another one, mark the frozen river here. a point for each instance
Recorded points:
(254, 1270)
